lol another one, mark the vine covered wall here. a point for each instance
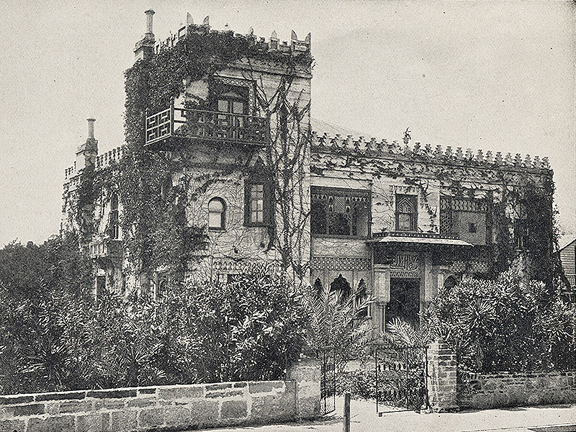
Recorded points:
(163, 192)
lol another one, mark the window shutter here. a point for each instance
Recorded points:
(268, 204)
(246, 202)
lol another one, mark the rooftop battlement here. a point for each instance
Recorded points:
(294, 47)
(417, 152)
(102, 161)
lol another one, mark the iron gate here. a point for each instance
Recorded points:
(327, 380)
(400, 378)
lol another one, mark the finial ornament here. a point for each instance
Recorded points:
(407, 136)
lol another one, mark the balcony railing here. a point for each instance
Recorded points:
(206, 126)
(105, 248)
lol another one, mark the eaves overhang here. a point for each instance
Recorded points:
(417, 240)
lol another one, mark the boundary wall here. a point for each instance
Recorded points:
(169, 408)
(451, 390)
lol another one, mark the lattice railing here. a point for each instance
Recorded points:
(206, 126)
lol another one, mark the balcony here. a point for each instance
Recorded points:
(205, 126)
(105, 248)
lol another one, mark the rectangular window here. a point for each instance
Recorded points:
(406, 212)
(257, 204)
(340, 212)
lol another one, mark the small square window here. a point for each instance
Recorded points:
(472, 228)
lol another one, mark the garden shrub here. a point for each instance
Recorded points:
(54, 337)
(508, 324)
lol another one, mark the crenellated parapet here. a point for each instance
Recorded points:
(106, 159)
(102, 161)
(427, 154)
(293, 47)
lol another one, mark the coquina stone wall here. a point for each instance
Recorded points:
(171, 408)
(482, 391)
(450, 389)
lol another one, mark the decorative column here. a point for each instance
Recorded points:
(381, 294)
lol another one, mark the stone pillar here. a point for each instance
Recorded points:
(306, 374)
(441, 379)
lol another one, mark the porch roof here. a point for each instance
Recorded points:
(391, 239)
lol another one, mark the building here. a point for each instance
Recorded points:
(230, 168)
(567, 253)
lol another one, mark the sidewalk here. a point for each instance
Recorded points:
(550, 418)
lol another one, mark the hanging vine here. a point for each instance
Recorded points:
(156, 232)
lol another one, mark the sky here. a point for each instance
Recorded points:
(496, 76)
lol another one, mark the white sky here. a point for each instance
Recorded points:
(492, 75)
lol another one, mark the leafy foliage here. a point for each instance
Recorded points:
(507, 324)
(36, 284)
(336, 324)
(54, 337)
(401, 333)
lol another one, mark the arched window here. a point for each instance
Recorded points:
(406, 213)
(161, 289)
(341, 288)
(114, 219)
(216, 214)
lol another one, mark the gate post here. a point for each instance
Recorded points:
(306, 374)
(442, 376)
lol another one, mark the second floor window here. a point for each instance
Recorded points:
(340, 212)
(258, 203)
(406, 213)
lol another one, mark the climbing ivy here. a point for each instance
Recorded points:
(520, 202)
(155, 229)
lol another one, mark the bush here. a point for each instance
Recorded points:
(361, 383)
(504, 325)
(55, 339)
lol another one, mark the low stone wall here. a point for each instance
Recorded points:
(483, 391)
(167, 407)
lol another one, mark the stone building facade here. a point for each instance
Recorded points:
(385, 221)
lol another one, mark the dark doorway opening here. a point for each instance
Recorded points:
(404, 301)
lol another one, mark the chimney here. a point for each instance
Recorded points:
(149, 22)
(144, 49)
(87, 152)
(91, 128)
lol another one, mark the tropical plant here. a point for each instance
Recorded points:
(506, 324)
(250, 329)
(338, 324)
(402, 333)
